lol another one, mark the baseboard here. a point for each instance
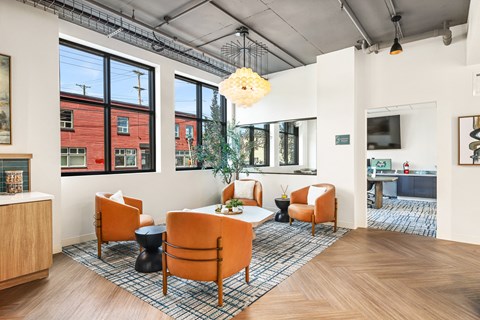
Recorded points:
(57, 249)
(79, 239)
(346, 224)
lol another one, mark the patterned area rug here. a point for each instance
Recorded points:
(278, 251)
(408, 216)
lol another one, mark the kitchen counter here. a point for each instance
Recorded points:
(414, 173)
(6, 199)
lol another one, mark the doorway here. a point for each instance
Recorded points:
(401, 168)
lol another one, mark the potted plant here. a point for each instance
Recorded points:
(235, 203)
(225, 157)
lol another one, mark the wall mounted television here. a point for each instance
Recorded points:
(383, 133)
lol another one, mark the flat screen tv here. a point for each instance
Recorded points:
(383, 133)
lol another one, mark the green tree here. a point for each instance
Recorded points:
(226, 157)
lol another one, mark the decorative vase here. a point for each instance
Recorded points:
(14, 181)
(235, 209)
(284, 196)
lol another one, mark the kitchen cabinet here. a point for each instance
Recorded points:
(26, 237)
(417, 186)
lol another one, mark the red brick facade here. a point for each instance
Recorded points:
(88, 132)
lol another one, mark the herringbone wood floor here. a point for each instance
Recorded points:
(368, 274)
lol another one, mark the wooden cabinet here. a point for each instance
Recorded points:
(417, 186)
(25, 242)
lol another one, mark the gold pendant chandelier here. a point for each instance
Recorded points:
(245, 87)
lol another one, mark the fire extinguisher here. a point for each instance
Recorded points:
(406, 167)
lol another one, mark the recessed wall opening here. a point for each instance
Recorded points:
(402, 168)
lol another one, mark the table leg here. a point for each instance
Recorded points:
(378, 194)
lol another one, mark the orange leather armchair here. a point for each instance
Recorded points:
(117, 222)
(205, 247)
(324, 210)
(229, 191)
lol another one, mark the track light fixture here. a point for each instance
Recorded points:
(396, 47)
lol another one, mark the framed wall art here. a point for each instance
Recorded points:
(5, 101)
(469, 140)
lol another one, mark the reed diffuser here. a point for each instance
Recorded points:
(284, 191)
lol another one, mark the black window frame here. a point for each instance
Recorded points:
(251, 138)
(200, 120)
(108, 104)
(286, 134)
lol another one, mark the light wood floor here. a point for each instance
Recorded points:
(369, 274)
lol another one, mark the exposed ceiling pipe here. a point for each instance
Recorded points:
(356, 23)
(186, 9)
(258, 33)
(447, 37)
(146, 26)
(392, 14)
(446, 33)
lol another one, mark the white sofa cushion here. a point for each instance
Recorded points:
(243, 189)
(314, 193)
(118, 197)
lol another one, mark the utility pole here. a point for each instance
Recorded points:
(139, 87)
(84, 88)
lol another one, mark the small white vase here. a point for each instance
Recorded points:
(235, 209)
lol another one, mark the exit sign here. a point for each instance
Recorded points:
(342, 139)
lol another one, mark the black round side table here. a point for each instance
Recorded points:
(282, 214)
(150, 238)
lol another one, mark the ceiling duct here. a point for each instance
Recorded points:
(132, 32)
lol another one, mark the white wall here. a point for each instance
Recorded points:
(429, 71)
(336, 116)
(349, 81)
(31, 39)
(162, 191)
(293, 95)
(418, 129)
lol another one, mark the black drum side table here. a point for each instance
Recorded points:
(150, 238)
(282, 214)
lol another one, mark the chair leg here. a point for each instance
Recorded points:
(99, 248)
(313, 224)
(164, 264)
(220, 292)
(290, 220)
(335, 222)
(247, 274)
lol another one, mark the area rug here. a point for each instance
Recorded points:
(278, 251)
(408, 216)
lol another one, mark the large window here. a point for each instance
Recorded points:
(288, 143)
(257, 136)
(107, 107)
(193, 102)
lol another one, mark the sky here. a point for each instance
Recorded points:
(80, 70)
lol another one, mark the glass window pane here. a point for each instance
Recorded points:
(127, 148)
(281, 149)
(129, 84)
(185, 98)
(64, 161)
(210, 98)
(260, 142)
(76, 161)
(292, 154)
(185, 144)
(81, 73)
(88, 138)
